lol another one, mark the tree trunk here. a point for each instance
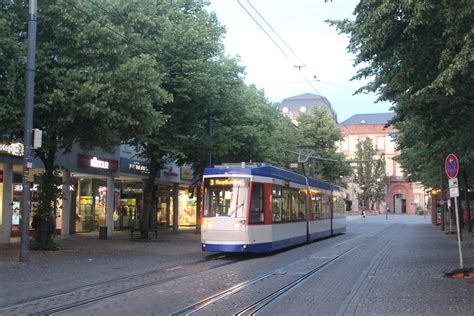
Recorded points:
(148, 216)
(46, 196)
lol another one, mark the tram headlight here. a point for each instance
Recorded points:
(239, 225)
(205, 223)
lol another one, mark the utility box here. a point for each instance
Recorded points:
(37, 138)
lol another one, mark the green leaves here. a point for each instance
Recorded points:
(420, 56)
(318, 131)
(370, 175)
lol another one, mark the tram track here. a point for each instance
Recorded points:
(69, 294)
(268, 299)
(73, 299)
(274, 295)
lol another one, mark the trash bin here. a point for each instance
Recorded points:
(103, 232)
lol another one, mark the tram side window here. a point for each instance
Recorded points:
(294, 205)
(339, 206)
(317, 206)
(256, 204)
(276, 204)
(326, 207)
(302, 206)
(286, 206)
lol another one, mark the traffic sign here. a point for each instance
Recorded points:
(452, 166)
(454, 192)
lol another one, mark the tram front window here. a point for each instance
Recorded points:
(226, 197)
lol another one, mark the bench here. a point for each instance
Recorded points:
(139, 231)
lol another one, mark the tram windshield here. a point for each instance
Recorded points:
(226, 197)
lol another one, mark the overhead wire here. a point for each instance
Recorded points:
(266, 33)
(326, 102)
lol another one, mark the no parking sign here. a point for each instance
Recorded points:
(452, 166)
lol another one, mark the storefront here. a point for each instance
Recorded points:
(129, 188)
(129, 202)
(90, 176)
(179, 179)
(94, 180)
(10, 201)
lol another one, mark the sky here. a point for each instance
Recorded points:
(316, 45)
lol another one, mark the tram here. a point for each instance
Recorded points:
(263, 208)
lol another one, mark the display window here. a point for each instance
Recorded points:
(186, 207)
(91, 205)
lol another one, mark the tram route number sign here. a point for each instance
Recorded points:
(452, 166)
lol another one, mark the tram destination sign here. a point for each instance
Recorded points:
(226, 181)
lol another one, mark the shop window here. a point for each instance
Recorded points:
(256, 204)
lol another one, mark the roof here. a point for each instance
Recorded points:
(273, 172)
(303, 103)
(369, 119)
(307, 99)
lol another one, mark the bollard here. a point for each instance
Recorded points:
(103, 232)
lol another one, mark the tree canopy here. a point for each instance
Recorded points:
(419, 55)
(319, 133)
(370, 175)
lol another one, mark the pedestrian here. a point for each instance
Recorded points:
(363, 213)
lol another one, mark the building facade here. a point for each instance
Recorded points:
(402, 196)
(99, 189)
(293, 107)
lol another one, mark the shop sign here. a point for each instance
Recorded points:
(170, 172)
(132, 191)
(187, 173)
(19, 187)
(97, 163)
(133, 166)
(15, 149)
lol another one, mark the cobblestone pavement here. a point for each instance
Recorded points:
(379, 267)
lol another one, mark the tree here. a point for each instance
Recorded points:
(419, 54)
(370, 176)
(89, 88)
(318, 131)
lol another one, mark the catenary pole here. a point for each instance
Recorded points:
(27, 155)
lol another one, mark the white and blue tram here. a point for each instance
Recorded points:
(263, 208)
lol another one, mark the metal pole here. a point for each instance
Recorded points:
(27, 159)
(443, 214)
(459, 233)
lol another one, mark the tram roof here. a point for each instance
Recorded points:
(270, 171)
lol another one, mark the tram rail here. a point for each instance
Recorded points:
(274, 294)
(69, 294)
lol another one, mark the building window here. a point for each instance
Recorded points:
(380, 143)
